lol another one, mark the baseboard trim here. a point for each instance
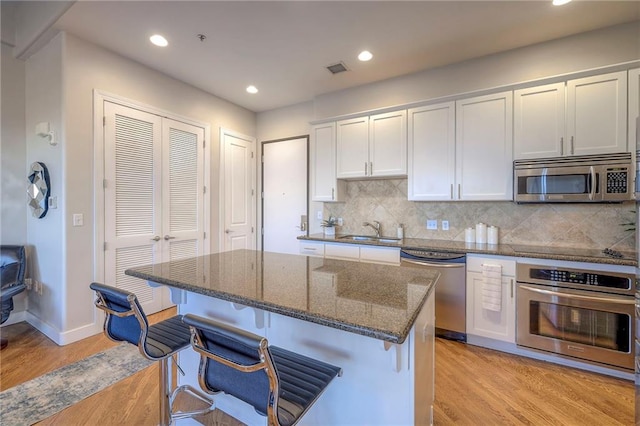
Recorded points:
(66, 337)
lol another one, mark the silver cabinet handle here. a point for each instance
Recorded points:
(333, 193)
(459, 192)
(167, 238)
(572, 145)
(228, 231)
(452, 191)
(370, 168)
(156, 238)
(561, 146)
(365, 168)
(512, 288)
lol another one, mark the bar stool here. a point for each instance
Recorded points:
(126, 321)
(279, 384)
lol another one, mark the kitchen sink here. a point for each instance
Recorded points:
(369, 238)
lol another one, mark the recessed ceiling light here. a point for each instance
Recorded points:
(365, 55)
(560, 2)
(158, 40)
(252, 89)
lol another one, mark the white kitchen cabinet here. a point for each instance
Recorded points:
(324, 184)
(579, 117)
(374, 146)
(432, 150)
(481, 322)
(342, 251)
(634, 107)
(312, 248)
(597, 114)
(376, 254)
(484, 147)
(539, 121)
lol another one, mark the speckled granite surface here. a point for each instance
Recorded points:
(542, 252)
(379, 301)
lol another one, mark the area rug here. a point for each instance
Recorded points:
(51, 393)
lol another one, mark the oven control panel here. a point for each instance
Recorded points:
(576, 278)
(617, 181)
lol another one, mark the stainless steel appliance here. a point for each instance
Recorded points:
(451, 299)
(588, 178)
(579, 313)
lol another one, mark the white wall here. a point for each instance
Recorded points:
(13, 153)
(47, 235)
(585, 51)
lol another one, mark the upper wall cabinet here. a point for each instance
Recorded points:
(432, 150)
(324, 184)
(484, 147)
(634, 107)
(580, 117)
(374, 146)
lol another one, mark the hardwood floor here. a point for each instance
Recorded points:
(474, 386)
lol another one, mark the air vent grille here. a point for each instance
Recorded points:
(337, 68)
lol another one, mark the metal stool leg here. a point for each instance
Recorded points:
(165, 392)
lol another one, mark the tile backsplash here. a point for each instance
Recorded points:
(569, 225)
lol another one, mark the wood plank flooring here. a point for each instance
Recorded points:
(474, 386)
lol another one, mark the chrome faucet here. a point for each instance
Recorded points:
(375, 225)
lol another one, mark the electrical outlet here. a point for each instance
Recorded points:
(340, 221)
(28, 282)
(319, 215)
(432, 224)
(445, 225)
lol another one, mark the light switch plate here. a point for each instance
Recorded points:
(78, 219)
(432, 224)
(445, 225)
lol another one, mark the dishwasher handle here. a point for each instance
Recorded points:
(432, 264)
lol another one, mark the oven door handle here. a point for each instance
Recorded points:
(433, 264)
(619, 301)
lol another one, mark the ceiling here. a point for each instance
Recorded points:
(283, 47)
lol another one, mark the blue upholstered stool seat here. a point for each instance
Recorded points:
(126, 321)
(278, 383)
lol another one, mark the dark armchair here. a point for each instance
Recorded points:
(13, 264)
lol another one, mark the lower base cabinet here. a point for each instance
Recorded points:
(482, 320)
(357, 252)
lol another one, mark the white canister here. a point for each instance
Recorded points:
(400, 231)
(469, 235)
(492, 235)
(481, 233)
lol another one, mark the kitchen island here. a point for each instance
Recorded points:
(374, 321)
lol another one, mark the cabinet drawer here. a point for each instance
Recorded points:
(389, 255)
(342, 251)
(312, 248)
(474, 264)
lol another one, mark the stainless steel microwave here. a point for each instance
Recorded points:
(580, 179)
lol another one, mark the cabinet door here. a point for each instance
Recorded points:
(353, 148)
(484, 147)
(538, 121)
(388, 144)
(597, 114)
(432, 152)
(486, 323)
(324, 184)
(634, 109)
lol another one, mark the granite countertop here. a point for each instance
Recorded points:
(542, 252)
(379, 301)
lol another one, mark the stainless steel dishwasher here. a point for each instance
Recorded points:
(451, 289)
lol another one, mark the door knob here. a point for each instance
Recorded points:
(156, 238)
(228, 231)
(167, 238)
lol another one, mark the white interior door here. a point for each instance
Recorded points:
(284, 203)
(154, 202)
(132, 191)
(238, 191)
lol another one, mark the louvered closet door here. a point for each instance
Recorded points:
(133, 199)
(183, 222)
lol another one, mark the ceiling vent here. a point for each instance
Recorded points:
(337, 68)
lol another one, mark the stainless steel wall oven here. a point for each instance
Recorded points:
(583, 314)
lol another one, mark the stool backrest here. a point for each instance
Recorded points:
(235, 362)
(125, 320)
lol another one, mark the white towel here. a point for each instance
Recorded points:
(491, 287)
